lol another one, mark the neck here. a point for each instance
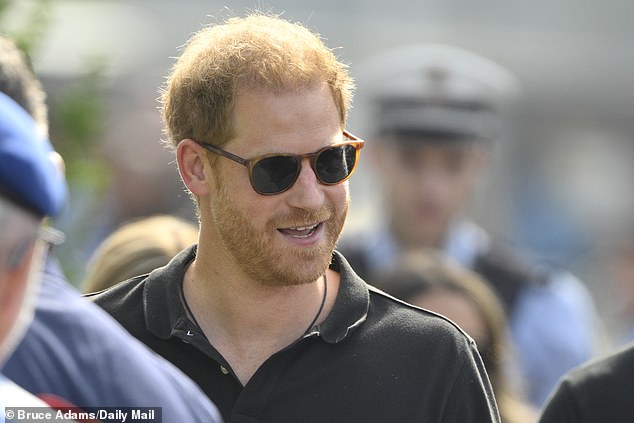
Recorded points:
(247, 321)
(243, 306)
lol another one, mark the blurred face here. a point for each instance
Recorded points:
(622, 267)
(21, 257)
(457, 308)
(286, 238)
(426, 185)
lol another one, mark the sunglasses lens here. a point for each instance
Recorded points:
(274, 174)
(335, 164)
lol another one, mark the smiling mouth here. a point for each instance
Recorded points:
(300, 231)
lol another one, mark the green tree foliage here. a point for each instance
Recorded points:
(76, 115)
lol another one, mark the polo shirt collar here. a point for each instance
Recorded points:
(165, 313)
(351, 305)
(162, 295)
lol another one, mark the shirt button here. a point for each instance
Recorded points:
(224, 370)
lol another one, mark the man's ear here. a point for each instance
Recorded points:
(194, 167)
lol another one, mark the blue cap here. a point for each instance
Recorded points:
(28, 174)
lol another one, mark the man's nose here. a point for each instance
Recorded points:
(307, 192)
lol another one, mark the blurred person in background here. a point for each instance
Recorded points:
(430, 280)
(31, 188)
(620, 257)
(72, 349)
(598, 391)
(137, 248)
(262, 312)
(437, 110)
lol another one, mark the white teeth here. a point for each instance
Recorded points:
(300, 231)
(303, 228)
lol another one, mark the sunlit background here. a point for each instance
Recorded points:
(561, 182)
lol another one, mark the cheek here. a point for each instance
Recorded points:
(12, 293)
(396, 182)
(340, 194)
(232, 177)
(458, 188)
(455, 185)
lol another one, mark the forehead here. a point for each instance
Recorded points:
(286, 118)
(261, 101)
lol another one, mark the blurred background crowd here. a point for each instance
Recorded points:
(560, 183)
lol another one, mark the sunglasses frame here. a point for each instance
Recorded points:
(251, 163)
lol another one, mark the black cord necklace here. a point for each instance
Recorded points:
(321, 307)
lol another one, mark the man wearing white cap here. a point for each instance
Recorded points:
(436, 112)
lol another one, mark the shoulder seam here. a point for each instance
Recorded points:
(430, 313)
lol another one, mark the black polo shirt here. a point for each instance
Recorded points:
(374, 358)
(598, 391)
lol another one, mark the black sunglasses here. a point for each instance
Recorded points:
(275, 173)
